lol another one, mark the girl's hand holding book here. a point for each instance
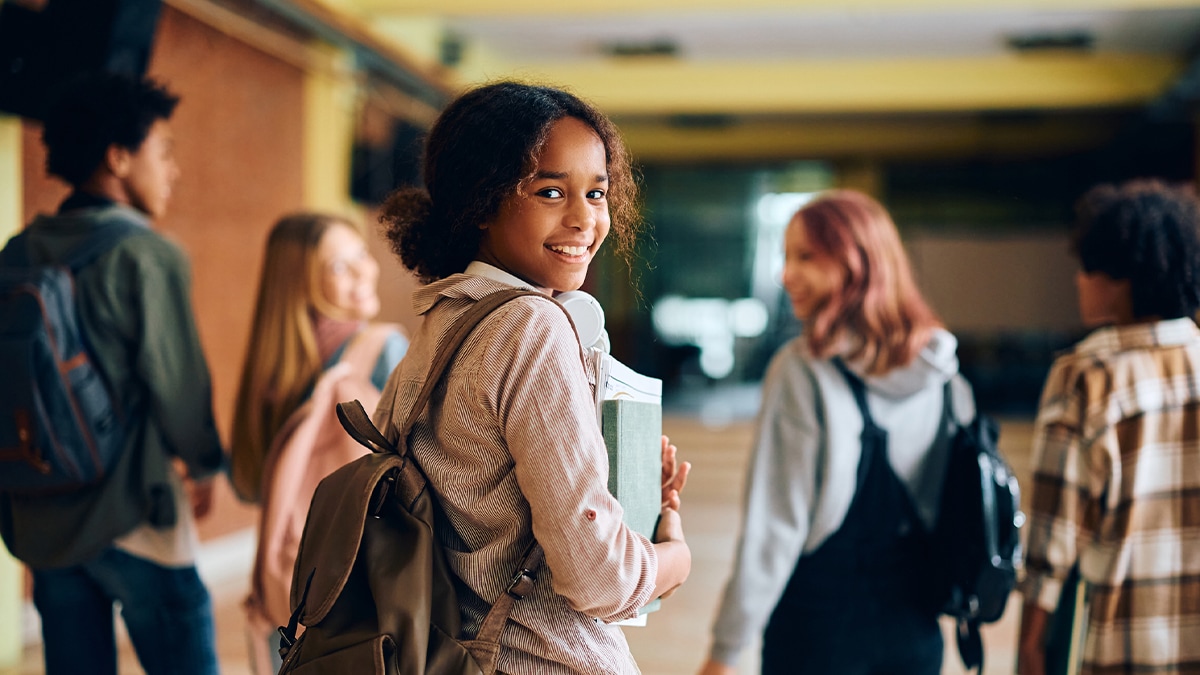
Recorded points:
(674, 475)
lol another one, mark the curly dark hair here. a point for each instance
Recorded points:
(1149, 233)
(483, 148)
(96, 110)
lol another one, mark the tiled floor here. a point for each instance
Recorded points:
(676, 638)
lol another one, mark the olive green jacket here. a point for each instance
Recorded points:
(134, 308)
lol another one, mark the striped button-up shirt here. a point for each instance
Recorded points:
(513, 450)
(1117, 487)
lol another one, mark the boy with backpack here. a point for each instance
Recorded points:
(1116, 486)
(128, 535)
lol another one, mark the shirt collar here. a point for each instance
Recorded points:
(482, 269)
(1112, 339)
(472, 284)
(84, 200)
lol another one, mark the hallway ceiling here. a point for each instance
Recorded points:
(760, 78)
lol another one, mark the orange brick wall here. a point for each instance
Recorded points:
(239, 143)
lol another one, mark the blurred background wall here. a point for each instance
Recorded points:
(977, 123)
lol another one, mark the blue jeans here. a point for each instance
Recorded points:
(167, 612)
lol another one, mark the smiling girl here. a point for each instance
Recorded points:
(317, 293)
(523, 184)
(311, 338)
(831, 562)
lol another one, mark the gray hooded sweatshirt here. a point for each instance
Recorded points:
(804, 464)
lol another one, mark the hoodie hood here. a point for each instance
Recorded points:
(934, 365)
(54, 237)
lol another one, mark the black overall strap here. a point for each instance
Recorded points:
(874, 437)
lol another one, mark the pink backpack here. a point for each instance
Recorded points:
(311, 445)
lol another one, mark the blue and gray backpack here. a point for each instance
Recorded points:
(60, 428)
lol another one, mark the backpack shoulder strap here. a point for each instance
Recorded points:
(949, 416)
(359, 425)
(16, 252)
(355, 419)
(518, 587)
(104, 236)
(458, 334)
(102, 239)
(963, 412)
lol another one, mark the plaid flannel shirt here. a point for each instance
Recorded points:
(1117, 488)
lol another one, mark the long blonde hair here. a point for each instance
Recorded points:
(282, 359)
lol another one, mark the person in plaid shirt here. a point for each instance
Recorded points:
(1116, 484)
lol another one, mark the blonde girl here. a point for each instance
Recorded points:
(317, 291)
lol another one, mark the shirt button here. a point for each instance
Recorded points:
(591, 514)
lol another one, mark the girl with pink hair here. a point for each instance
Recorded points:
(847, 463)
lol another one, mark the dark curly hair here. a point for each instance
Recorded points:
(483, 148)
(1149, 233)
(96, 110)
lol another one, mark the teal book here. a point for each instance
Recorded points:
(633, 434)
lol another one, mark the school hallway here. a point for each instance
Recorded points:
(715, 436)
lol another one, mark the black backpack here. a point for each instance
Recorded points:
(976, 542)
(59, 427)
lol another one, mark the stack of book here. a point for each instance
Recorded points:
(629, 406)
(631, 420)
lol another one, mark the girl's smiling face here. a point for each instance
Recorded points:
(348, 274)
(549, 230)
(809, 277)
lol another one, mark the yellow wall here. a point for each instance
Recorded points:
(329, 110)
(11, 577)
(10, 176)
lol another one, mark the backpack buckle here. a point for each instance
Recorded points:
(285, 641)
(382, 490)
(27, 451)
(521, 584)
